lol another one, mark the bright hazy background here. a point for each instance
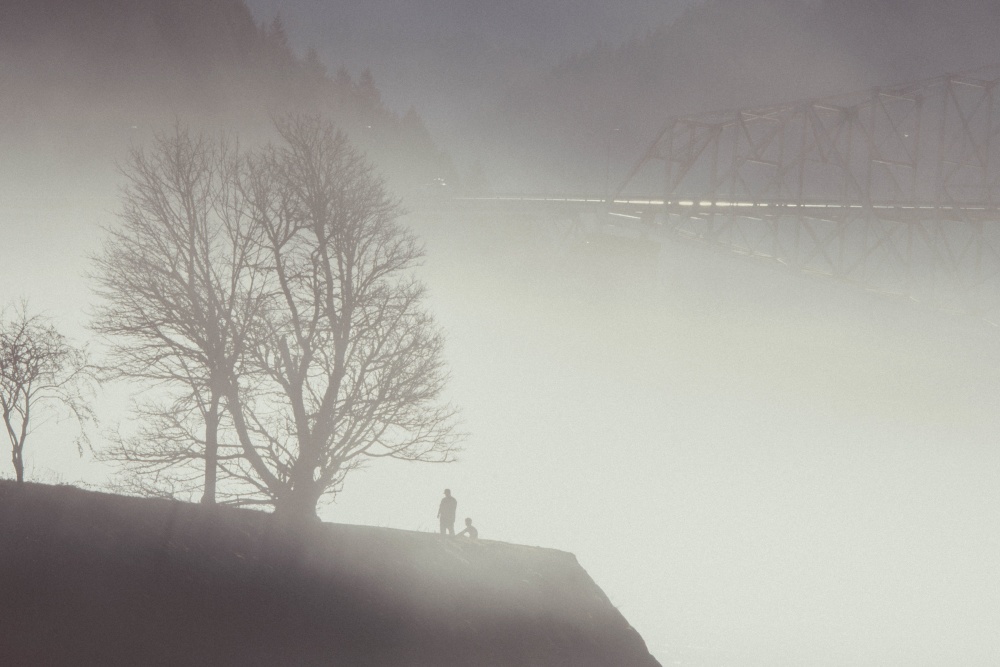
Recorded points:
(758, 468)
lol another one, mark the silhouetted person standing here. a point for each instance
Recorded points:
(470, 530)
(446, 512)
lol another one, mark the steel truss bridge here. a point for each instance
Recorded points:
(895, 190)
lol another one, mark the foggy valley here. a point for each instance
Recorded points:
(758, 463)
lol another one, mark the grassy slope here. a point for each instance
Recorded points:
(95, 579)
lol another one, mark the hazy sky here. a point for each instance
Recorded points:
(758, 468)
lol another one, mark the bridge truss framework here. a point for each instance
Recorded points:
(895, 189)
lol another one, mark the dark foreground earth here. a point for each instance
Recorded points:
(95, 579)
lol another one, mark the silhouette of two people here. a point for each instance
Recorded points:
(446, 513)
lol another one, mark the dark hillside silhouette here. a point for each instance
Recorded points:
(458, 49)
(83, 79)
(453, 59)
(95, 579)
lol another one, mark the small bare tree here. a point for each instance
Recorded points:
(41, 375)
(175, 278)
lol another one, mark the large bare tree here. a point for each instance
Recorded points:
(276, 291)
(41, 375)
(176, 277)
(347, 364)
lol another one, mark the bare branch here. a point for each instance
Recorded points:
(41, 375)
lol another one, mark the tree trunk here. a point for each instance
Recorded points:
(211, 451)
(18, 461)
(299, 503)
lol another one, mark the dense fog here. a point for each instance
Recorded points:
(758, 467)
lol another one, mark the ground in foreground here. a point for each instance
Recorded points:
(97, 579)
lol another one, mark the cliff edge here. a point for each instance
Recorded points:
(95, 579)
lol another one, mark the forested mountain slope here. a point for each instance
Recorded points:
(82, 80)
(426, 49)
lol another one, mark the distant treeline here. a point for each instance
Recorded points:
(84, 77)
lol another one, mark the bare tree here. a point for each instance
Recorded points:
(174, 277)
(41, 375)
(273, 295)
(345, 364)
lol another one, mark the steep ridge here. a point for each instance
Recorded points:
(91, 578)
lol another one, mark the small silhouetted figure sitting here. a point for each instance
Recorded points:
(446, 512)
(470, 530)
